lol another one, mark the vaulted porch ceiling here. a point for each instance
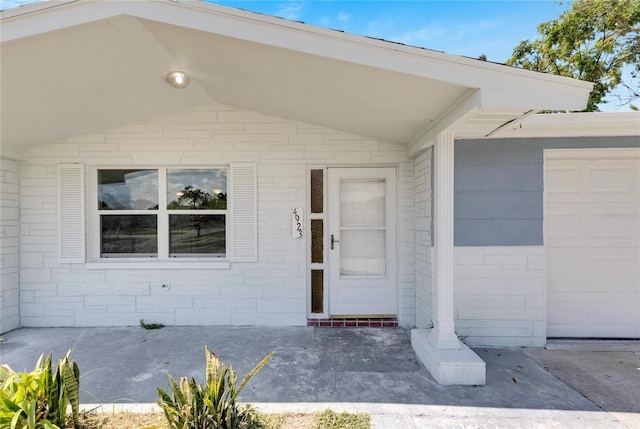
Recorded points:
(70, 68)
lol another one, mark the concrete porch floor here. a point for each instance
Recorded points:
(357, 369)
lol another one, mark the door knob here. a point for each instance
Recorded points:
(333, 240)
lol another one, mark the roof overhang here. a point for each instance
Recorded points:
(75, 67)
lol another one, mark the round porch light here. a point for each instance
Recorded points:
(178, 79)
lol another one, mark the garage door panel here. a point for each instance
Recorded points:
(594, 225)
(594, 315)
(578, 269)
(608, 180)
(612, 225)
(564, 227)
(561, 180)
(614, 274)
(615, 270)
(592, 237)
(564, 273)
(597, 180)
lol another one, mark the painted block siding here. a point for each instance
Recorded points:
(500, 295)
(9, 245)
(423, 227)
(272, 291)
(499, 187)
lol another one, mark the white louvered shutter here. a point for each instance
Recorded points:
(71, 213)
(244, 215)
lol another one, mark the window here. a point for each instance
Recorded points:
(162, 213)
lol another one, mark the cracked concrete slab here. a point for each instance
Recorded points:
(373, 370)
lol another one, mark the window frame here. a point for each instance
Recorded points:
(163, 259)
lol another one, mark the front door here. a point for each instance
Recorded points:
(362, 242)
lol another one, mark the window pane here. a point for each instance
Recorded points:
(127, 189)
(197, 235)
(363, 253)
(197, 189)
(129, 235)
(362, 202)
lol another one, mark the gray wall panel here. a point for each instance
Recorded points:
(498, 178)
(498, 232)
(469, 152)
(498, 205)
(499, 187)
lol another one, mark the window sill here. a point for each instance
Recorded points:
(119, 264)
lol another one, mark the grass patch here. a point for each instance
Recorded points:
(122, 419)
(327, 419)
(151, 325)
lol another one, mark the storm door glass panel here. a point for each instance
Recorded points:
(363, 227)
(197, 235)
(129, 235)
(127, 189)
(197, 189)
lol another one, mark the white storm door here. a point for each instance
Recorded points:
(362, 242)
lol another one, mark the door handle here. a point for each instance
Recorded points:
(333, 240)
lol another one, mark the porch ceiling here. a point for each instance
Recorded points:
(73, 68)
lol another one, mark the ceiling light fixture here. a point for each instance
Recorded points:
(178, 79)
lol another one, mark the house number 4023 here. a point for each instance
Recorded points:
(297, 220)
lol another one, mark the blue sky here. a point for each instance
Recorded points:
(468, 28)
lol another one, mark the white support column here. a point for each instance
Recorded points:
(448, 360)
(443, 334)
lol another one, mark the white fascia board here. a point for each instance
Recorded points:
(537, 95)
(43, 17)
(505, 86)
(33, 7)
(594, 124)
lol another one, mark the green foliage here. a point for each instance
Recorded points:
(63, 388)
(39, 399)
(329, 419)
(22, 402)
(592, 41)
(212, 405)
(195, 198)
(150, 325)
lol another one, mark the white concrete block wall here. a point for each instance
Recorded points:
(500, 295)
(406, 234)
(269, 292)
(422, 245)
(9, 245)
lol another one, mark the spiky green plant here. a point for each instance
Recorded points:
(62, 388)
(22, 403)
(39, 399)
(210, 406)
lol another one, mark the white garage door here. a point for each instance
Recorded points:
(592, 231)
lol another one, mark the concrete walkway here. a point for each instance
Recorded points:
(369, 370)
